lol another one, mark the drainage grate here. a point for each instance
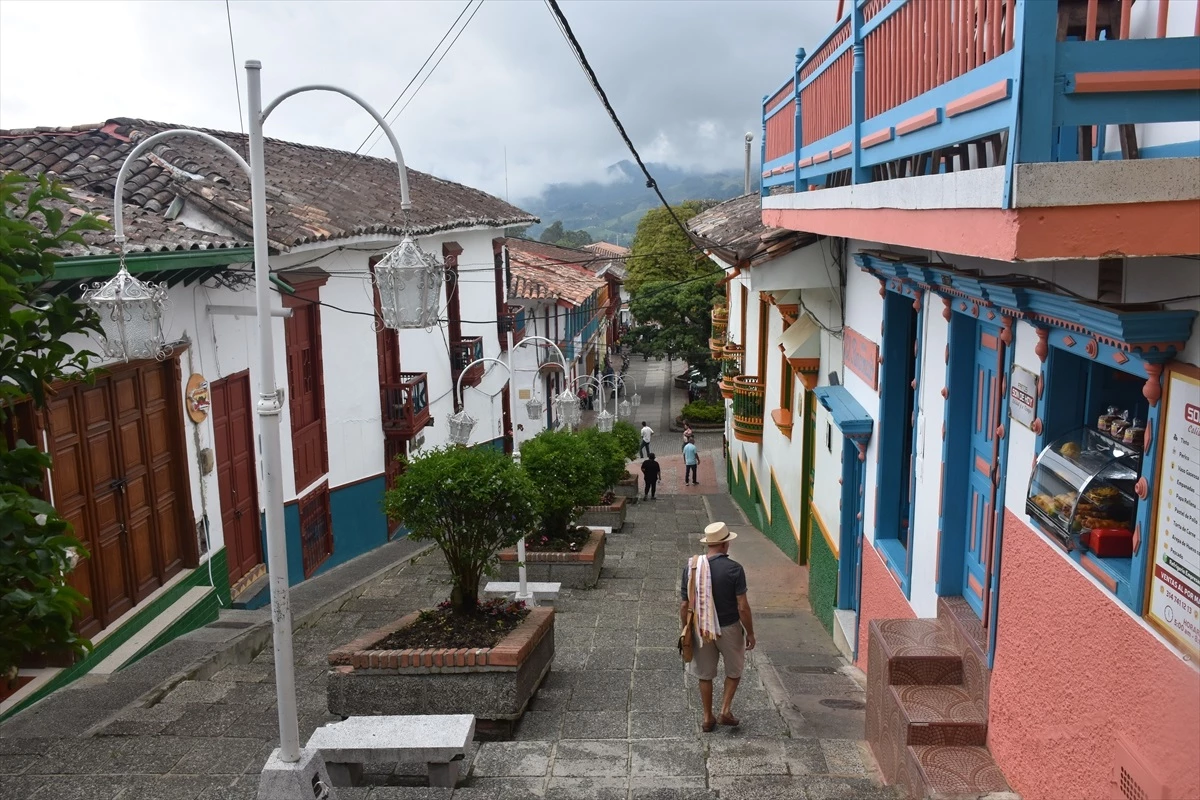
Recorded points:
(849, 705)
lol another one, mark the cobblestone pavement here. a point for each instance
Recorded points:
(615, 718)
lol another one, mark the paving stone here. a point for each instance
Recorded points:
(845, 757)
(139, 721)
(661, 658)
(836, 788)
(659, 725)
(611, 658)
(666, 757)
(219, 757)
(244, 673)
(512, 759)
(749, 756)
(540, 726)
(749, 787)
(501, 789)
(587, 759)
(173, 787)
(574, 658)
(78, 787)
(197, 692)
(674, 792)
(587, 788)
(199, 719)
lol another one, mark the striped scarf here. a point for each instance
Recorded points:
(708, 628)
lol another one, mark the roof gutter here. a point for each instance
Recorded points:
(88, 267)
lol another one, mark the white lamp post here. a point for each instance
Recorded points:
(462, 423)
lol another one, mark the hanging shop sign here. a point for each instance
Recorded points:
(197, 398)
(1174, 586)
(861, 356)
(1022, 396)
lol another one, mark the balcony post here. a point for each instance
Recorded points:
(763, 191)
(858, 79)
(1035, 35)
(799, 184)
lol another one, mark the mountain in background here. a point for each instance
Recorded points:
(610, 210)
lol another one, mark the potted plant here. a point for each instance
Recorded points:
(488, 658)
(562, 466)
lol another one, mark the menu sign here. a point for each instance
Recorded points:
(1174, 603)
(861, 356)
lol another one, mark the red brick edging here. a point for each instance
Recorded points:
(586, 554)
(510, 651)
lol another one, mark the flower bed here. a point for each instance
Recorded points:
(627, 487)
(493, 683)
(578, 570)
(608, 515)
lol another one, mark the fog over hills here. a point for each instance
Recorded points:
(609, 210)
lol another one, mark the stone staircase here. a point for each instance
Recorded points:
(927, 704)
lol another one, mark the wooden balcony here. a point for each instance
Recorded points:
(749, 395)
(731, 367)
(462, 352)
(720, 326)
(405, 405)
(514, 320)
(944, 87)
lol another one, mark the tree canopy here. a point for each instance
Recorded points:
(564, 238)
(663, 252)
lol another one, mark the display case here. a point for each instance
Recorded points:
(1082, 492)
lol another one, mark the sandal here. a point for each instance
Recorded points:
(729, 719)
(708, 727)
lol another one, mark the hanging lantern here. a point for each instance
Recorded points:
(535, 407)
(410, 287)
(461, 425)
(635, 401)
(624, 408)
(130, 316)
(568, 408)
(604, 422)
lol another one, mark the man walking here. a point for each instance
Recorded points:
(647, 432)
(691, 460)
(714, 589)
(650, 472)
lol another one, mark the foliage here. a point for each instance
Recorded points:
(628, 437)
(471, 503)
(38, 608)
(563, 238)
(677, 321)
(563, 469)
(703, 411)
(608, 454)
(661, 251)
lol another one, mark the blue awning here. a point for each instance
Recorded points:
(849, 417)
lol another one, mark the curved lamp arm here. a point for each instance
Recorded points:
(405, 202)
(143, 146)
(538, 371)
(468, 367)
(550, 342)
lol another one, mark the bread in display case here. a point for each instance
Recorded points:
(1082, 491)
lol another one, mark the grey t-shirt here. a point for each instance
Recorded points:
(728, 582)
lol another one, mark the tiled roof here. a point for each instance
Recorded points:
(607, 249)
(542, 271)
(735, 231)
(313, 193)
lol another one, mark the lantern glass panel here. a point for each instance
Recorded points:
(130, 314)
(410, 287)
(535, 408)
(461, 425)
(604, 422)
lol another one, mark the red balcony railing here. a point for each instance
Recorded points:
(405, 404)
(462, 352)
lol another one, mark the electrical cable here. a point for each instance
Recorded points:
(237, 87)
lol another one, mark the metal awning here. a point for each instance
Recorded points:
(800, 339)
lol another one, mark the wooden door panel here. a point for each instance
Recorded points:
(236, 474)
(81, 578)
(166, 516)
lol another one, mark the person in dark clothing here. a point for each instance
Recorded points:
(650, 472)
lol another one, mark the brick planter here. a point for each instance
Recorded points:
(612, 516)
(573, 570)
(628, 488)
(495, 684)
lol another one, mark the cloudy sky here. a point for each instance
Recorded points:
(686, 78)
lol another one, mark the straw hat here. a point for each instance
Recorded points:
(717, 533)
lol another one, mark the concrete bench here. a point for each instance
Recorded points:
(543, 592)
(440, 740)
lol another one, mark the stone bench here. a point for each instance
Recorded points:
(543, 592)
(440, 740)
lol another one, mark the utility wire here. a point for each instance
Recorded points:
(569, 35)
(237, 87)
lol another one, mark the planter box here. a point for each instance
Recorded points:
(495, 684)
(612, 516)
(573, 570)
(628, 488)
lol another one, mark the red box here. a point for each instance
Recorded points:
(1111, 542)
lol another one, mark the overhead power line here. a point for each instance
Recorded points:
(237, 87)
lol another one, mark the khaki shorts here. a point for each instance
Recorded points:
(730, 645)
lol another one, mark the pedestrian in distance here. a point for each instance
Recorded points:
(647, 432)
(650, 472)
(691, 461)
(714, 601)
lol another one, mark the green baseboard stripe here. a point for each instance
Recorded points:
(822, 578)
(779, 529)
(202, 614)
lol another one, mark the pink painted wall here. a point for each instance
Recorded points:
(881, 599)
(1066, 649)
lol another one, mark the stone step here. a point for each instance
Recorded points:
(919, 652)
(928, 715)
(143, 638)
(947, 772)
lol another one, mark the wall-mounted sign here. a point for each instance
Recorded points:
(1174, 585)
(1022, 406)
(197, 398)
(861, 356)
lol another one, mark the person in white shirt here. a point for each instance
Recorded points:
(647, 432)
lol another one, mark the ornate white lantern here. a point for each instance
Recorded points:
(535, 407)
(461, 425)
(624, 408)
(410, 287)
(604, 422)
(130, 315)
(568, 408)
(635, 401)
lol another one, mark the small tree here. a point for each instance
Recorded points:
(38, 608)
(568, 479)
(607, 453)
(628, 438)
(471, 503)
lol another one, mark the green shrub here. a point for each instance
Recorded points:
(471, 502)
(705, 412)
(628, 437)
(566, 476)
(607, 454)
